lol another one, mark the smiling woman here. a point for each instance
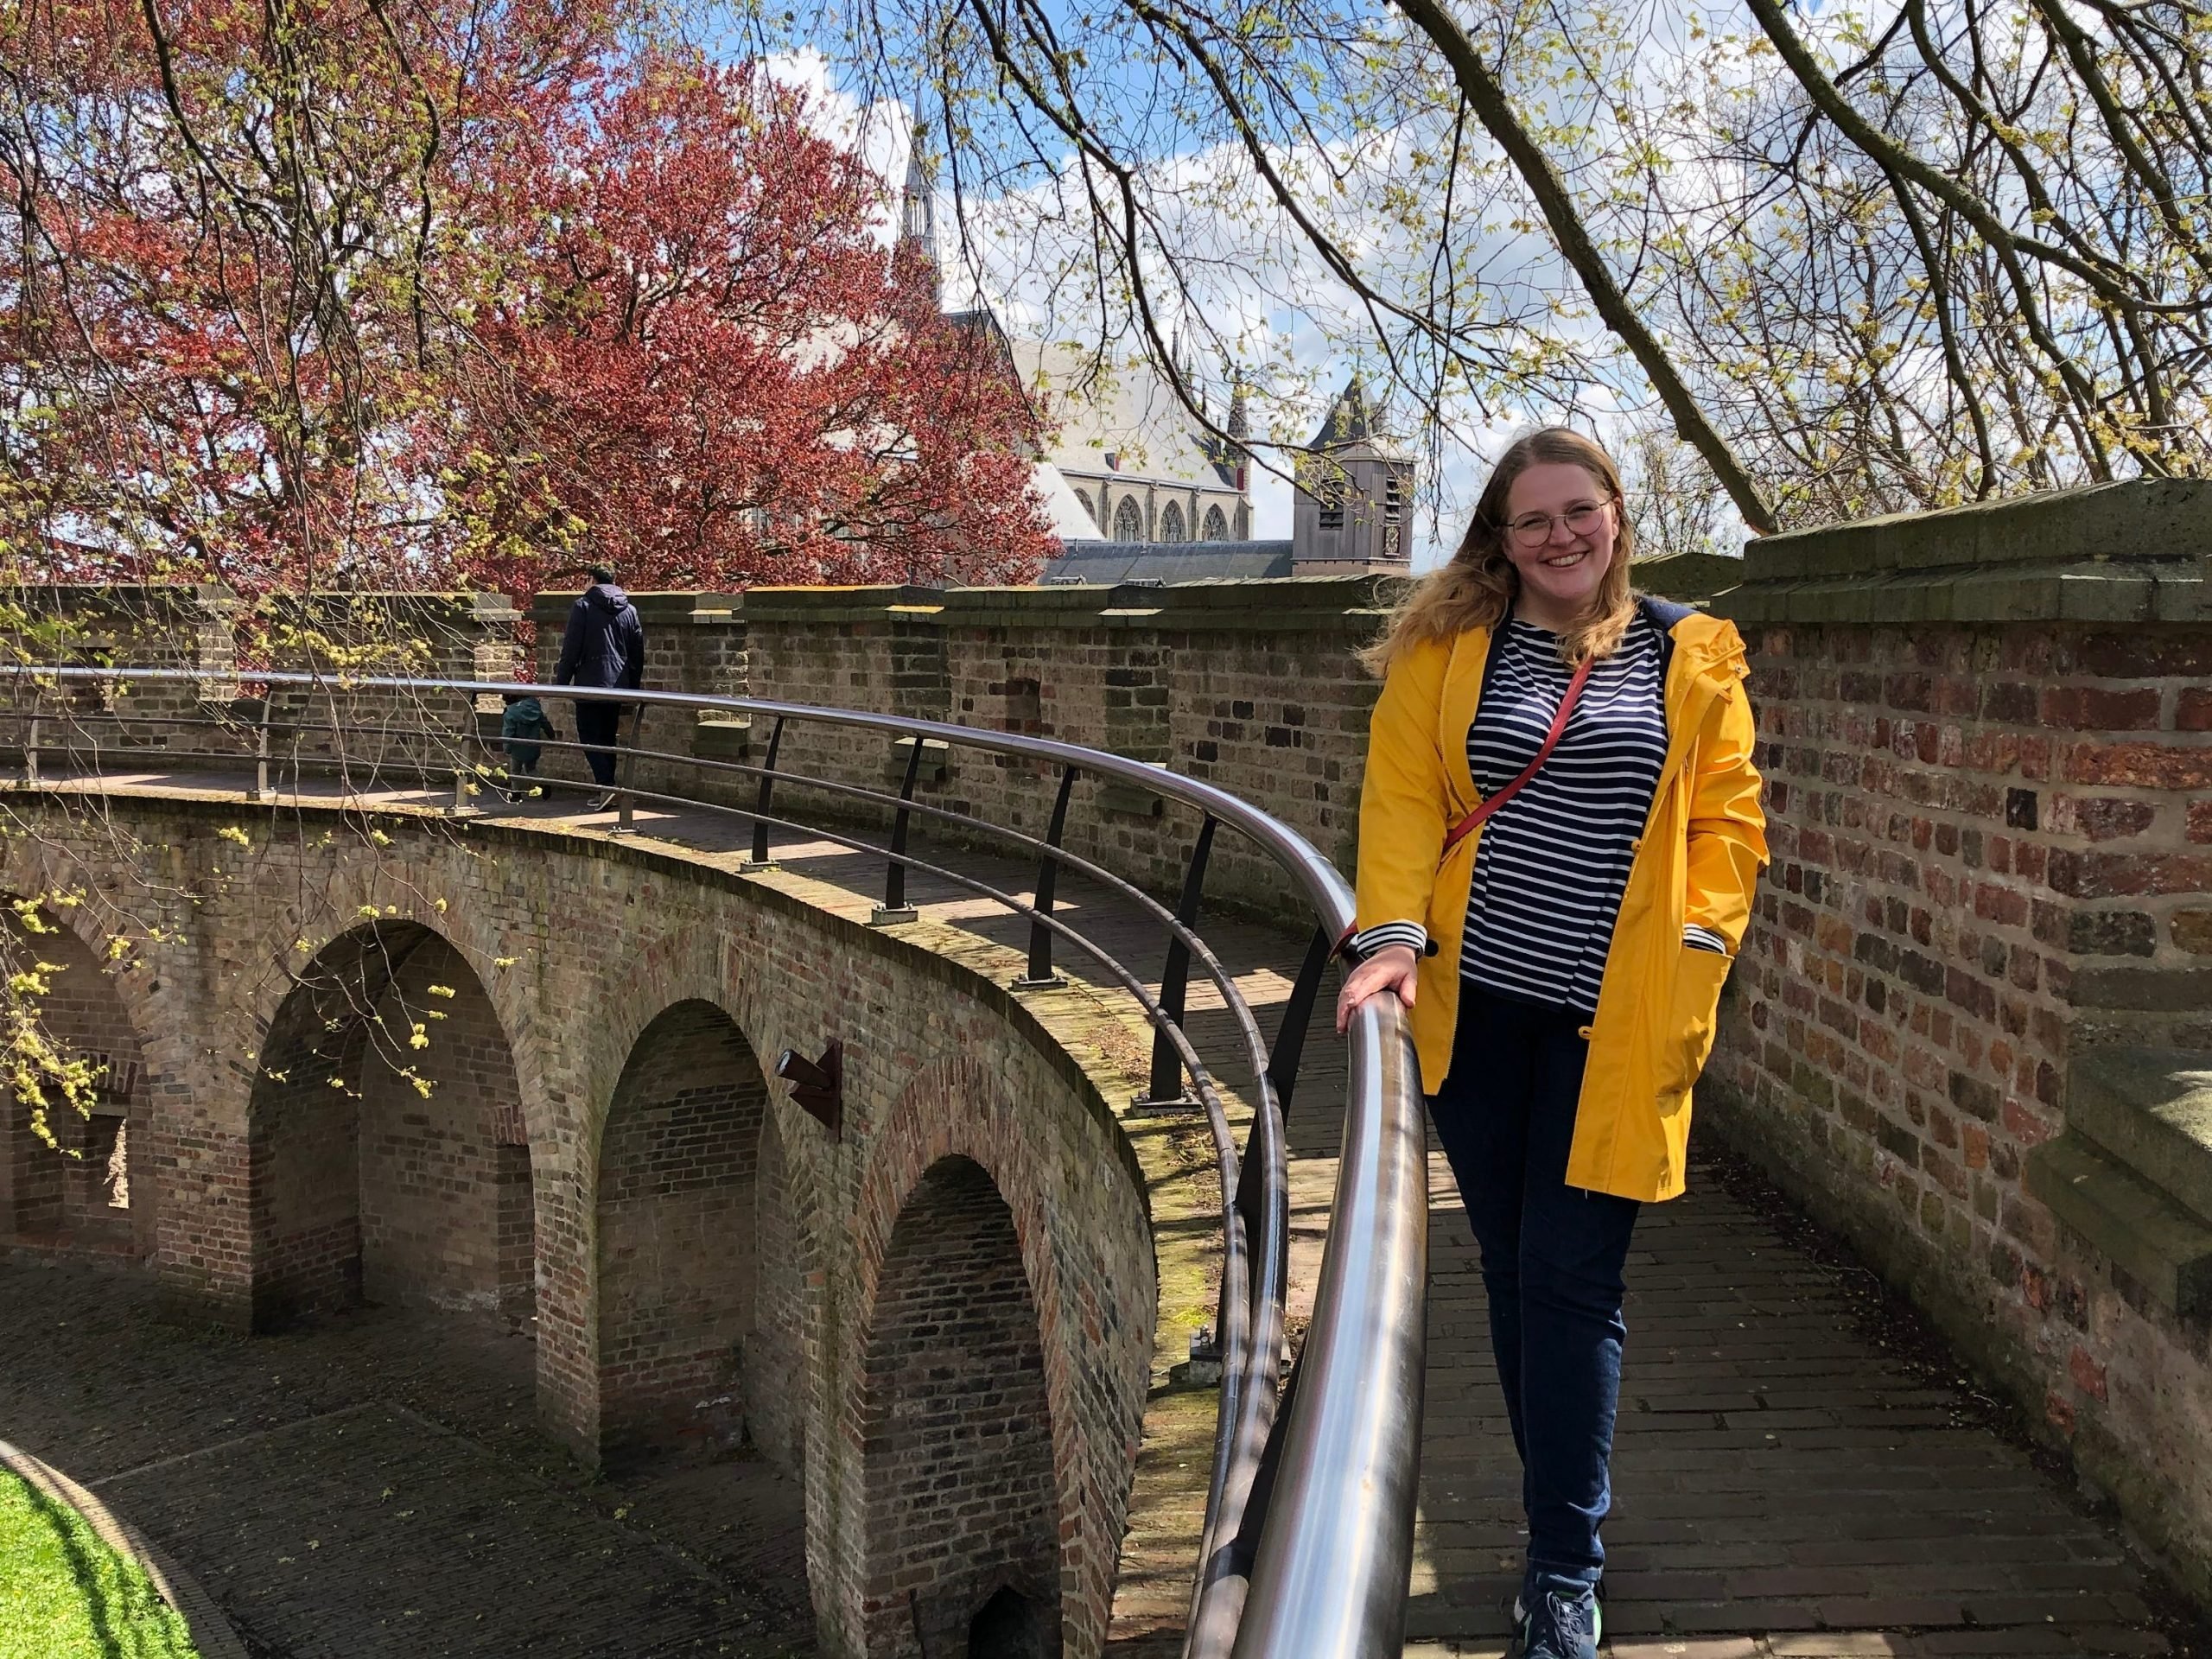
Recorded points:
(64, 1594)
(1590, 829)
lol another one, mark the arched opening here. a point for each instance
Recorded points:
(388, 1157)
(680, 1245)
(1128, 522)
(1217, 527)
(1171, 524)
(1011, 1626)
(98, 1186)
(1083, 496)
(962, 1524)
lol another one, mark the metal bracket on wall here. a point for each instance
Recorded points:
(817, 1086)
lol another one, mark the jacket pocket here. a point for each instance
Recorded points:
(1693, 1017)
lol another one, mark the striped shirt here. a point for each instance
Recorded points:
(1553, 860)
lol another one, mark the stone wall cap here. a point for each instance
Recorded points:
(2152, 1110)
(2167, 520)
(2091, 590)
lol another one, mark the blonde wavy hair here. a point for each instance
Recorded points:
(1476, 588)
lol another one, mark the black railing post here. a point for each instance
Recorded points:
(261, 789)
(1166, 1092)
(1040, 975)
(1297, 1018)
(759, 859)
(625, 822)
(894, 907)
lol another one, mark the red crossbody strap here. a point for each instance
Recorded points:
(1467, 825)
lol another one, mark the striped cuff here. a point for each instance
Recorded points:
(1703, 938)
(1412, 935)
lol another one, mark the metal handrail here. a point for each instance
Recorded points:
(1308, 1536)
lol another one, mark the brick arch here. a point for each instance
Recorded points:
(961, 1515)
(388, 1156)
(957, 1109)
(99, 1187)
(717, 969)
(678, 1257)
(360, 898)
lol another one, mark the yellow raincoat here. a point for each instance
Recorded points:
(1696, 861)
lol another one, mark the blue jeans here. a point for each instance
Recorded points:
(1552, 1257)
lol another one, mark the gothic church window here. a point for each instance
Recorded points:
(1128, 523)
(1090, 512)
(1216, 527)
(1171, 524)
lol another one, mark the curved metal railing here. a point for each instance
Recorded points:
(1308, 1533)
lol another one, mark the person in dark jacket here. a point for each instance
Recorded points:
(605, 644)
(521, 725)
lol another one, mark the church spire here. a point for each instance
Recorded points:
(1239, 428)
(917, 198)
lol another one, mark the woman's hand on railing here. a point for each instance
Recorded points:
(1390, 968)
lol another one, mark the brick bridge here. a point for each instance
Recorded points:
(509, 1069)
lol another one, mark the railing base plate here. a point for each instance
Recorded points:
(1050, 983)
(1165, 1106)
(880, 917)
(747, 866)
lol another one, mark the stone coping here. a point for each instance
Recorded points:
(2132, 1174)
(2163, 519)
(2118, 591)
(1355, 605)
(2140, 551)
(211, 1633)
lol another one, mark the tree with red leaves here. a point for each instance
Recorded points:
(316, 293)
(703, 366)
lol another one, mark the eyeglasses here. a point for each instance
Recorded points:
(1534, 529)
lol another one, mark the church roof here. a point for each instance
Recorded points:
(1107, 563)
(1353, 419)
(1125, 422)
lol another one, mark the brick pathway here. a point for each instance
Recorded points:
(1786, 1485)
(371, 1487)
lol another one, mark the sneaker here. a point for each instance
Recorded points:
(1526, 1593)
(1563, 1622)
(605, 803)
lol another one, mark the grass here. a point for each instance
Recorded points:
(64, 1594)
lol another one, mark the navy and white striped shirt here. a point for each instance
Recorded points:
(1553, 860)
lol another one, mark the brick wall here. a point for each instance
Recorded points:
(1263, 699)
(301, 1159)
(254, 999)
(99, 1187)
(383, 738)
(955, 1427)
(1986, 750)
(678, 1255)
(445, 1199)
(186, 626)
(779, 1361)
